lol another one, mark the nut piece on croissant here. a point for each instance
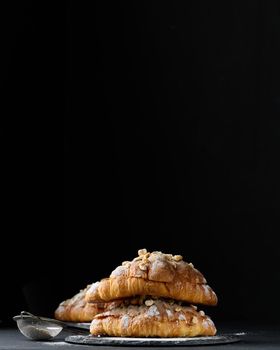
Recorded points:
(160, 319)
(155, 273)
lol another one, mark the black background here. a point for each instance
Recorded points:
(171, 142)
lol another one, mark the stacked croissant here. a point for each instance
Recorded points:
(151, 296)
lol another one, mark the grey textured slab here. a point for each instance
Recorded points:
(91, 340)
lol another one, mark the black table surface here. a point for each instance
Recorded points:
(256, 337)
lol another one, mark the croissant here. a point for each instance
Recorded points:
(77, 309)
(157, 274)
(155, 318)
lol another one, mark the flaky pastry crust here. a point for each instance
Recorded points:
(155, 318)
(155, 273)
(76, 309)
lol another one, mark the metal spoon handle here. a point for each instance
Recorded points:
(26, 314)
(29, 315)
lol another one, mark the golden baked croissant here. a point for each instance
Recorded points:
(157, 274)
(77, 309)
(155, 318)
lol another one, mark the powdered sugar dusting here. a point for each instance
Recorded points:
(94, 323)
(182, 317)
(153, 311)
(158, 264)
(55, 343)
(206, 290)
(118, 271)
(94, 286)
(169, 313)
(205, 323)
(125, 321)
